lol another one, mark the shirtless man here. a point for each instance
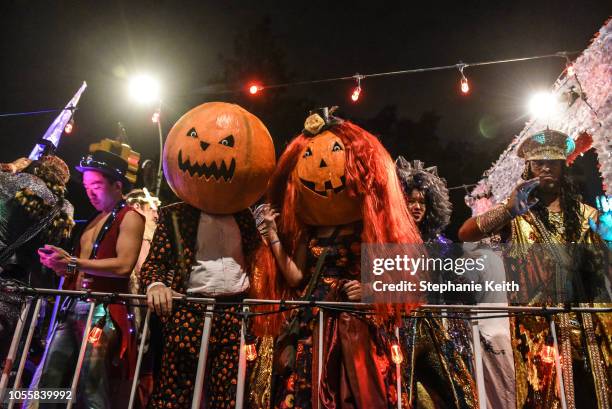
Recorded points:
(103, 260)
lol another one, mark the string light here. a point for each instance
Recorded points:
(465, 86)
(570, 71)
(547, 353)
(96, 331)
(69, 126)
(251, 352)
(396, 354)
(254, 89)
(357, 90)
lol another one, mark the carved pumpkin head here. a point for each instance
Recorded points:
(322, 196)
(218, 157)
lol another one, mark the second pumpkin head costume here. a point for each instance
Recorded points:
(337, 176)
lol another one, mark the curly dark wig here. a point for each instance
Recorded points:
(570, 206)
(438, 205)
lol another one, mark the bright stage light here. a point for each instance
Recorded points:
(144, 89)
(544, 105)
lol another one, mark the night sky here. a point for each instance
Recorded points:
(49, 48)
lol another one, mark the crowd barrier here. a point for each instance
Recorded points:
(36, 295)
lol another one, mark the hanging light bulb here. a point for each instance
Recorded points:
(357, 90)
(547, 353)
(69, 126)
(396, 354)
(465, 86)
(96, 331)
(251, 352)
(254, 89)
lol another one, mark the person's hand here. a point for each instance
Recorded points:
(159, 299)
(55, 258)
(269, 229)
(519, 202)
(352, 289)
(603, 226)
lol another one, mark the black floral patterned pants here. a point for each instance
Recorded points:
(182, 335)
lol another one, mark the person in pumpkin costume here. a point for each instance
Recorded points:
(335, 187)
(551, 233)
(217, 158)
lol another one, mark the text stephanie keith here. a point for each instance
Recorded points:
(446, 287)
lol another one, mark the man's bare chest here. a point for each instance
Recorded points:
(90, 234)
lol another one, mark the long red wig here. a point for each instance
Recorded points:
(370, 175)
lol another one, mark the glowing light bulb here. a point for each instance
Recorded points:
(396, 354)
(155, 117)
(94, 335)
(548, 354)
(254, 89)
(570, 71)
(465, 86)
(96, 331)
(251, 352)
(69, 127)
(356, 93)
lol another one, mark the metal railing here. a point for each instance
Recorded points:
(92, 297)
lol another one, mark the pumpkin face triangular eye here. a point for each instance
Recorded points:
(227, 141)
(307, 153)
(337, 147)
(192, 133)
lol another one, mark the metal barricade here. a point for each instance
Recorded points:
(198, 394)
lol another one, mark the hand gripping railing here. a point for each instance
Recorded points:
(91, 296)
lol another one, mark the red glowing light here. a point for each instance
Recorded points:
(94, 335)
(548, 354)
(155, 117)
(396, 354)
(465, 86)
(254, 89)
(356, 93)
(251, 352)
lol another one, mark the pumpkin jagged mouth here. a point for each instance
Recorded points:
(207, 171)
(328, 186)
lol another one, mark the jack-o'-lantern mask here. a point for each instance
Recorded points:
(218, 157)
(320, 171)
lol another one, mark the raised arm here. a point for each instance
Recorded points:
(478, 227)
(292, 269)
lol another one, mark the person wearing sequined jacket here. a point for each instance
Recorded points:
(439, 367)
(33, 210)
(556, 251)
